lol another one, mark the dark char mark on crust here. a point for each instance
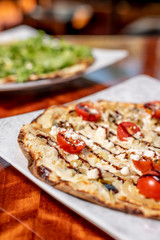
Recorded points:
(62, 184)
(127, 207)
(29, 156)
(43, 172)
(31, 160)
(138, 205)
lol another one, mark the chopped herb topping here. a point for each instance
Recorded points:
(39, 55)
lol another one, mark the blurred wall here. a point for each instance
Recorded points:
(77, 17)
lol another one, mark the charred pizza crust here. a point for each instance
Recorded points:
(65, 73)
(103, 172)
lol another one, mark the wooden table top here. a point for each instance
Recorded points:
(26, 211)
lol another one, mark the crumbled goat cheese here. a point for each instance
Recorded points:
(100, 133)
(137, 135)
(121, 156)
(157, 129)
(125, 171)
(67, 124)
(93, 173)
(105, 125)
(54, 131)
(71, 157)
(70, 134)
(109, 144)
(93, 110)
(146, 121)
(104, 116)
(114, 138)
(75, 164)
(135, 157)
(148, 153)
(89, 142)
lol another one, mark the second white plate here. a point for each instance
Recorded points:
(103, 58)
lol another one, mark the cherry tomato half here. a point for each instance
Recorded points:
(143, 165)
(70, 141)
(149, 184)
(127, 129)
(88, 112)
(153, 108)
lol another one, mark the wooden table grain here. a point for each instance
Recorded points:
(26, 211)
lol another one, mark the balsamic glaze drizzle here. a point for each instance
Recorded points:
(49, 141)
(95, 126)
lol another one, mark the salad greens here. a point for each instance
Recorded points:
(39, 55)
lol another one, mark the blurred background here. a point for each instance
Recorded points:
(83, 17)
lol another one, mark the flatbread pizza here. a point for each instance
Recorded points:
(104, 152)
(42, 57)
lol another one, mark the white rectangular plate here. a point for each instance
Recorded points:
(119, 225)
(103, 58)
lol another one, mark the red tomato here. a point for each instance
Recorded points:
(88, 112)
(69, 142)
(127, 129)
(143, 165)
(153, 108)
(149, 184)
